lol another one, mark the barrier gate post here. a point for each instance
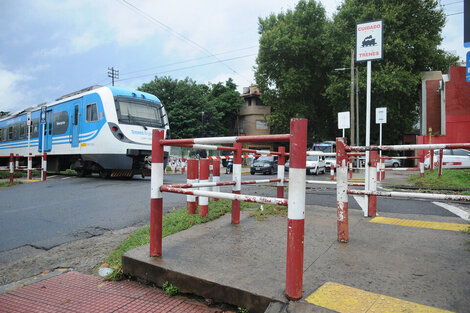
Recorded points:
(216, 176)
(30, 166)
(296, 209)
(192, 177)
(421, 167)
(156, 201)
(237, 177)
(440, 162)
(44, 167)
(280, 172)
(204, 178)
(341, 191)
(372, 206)
(12, 170)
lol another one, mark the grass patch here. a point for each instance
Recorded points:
(173, 222)
(19, 174)
(450, 179)
(7, 184)
(268, 209)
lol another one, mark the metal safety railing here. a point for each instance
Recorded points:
(297, 139)
(370, 192)
(15, 167)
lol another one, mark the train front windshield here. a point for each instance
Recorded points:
(135, 112)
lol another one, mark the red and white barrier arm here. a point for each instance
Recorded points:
(409, 195)
(260, 181)
(296, 209)
(225, 140)
(224, 195)
(402, 169)
(320, 153)
(208, 147)
(237, 177)
(156, 201)
(410, 147)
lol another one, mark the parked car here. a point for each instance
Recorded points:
(264, 165)
(330, 160)
(451, 158)
(392, 162)
(315, 164)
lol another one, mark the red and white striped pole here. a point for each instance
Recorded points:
(341, 191)
(281, 161)
(440, 162)
(192, 178)
(372, 206)
(237, 177)
(12, 169)
(156, 199)
(44, 167)
(431, 151)
(332, 172)
(216, 176)
(204, 178)
(421, 167)
(30, 166)
(17, 161)
(351, 170)
(296, 209)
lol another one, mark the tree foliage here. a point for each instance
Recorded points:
(185, 100)
(300, 49)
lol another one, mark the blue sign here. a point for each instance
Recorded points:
(468, 67)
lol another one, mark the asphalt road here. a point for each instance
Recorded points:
(65, 208)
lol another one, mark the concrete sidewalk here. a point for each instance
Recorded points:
(245, 264)
(75, 292)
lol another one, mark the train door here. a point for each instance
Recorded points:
(45, 138)
(75, 123)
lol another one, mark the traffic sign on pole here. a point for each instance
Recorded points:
(343, 120)
(381, 116)
(369, 43)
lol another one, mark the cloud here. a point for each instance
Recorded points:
(13, 94)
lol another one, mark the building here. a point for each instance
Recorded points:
(253, 118)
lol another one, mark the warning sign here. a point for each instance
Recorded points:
(369, 44)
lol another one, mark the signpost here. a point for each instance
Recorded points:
(43, 122)
(343, 121)
(369, 46)
(28, 125)
(380, 118)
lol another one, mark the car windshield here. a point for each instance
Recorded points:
(312, 157)
(265, 159)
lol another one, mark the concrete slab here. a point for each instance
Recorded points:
(244, 264)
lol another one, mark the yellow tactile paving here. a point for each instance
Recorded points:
(421, 224)
(343, 298)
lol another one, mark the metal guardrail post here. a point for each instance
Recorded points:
(341, 191)
(216, 176)
(280, 171)
(332, 172)
(156, 201)
(237, 177)
(372, 207)
(12, 169)
(30, 166)
(204, 178)
(192, 178)
(296, 209)
(441, 152)
(421, 167)
(44, 167)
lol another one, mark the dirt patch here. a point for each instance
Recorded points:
(81, 255)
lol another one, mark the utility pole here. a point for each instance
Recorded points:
(352, 133)
(113, 73)
(357, 107)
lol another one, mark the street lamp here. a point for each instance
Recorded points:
(357, 98)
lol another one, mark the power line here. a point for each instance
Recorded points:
(189, 67)
(113, 73)
(450, 3)
(454, 13)
(180, 36)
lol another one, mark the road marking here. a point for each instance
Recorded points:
(342, 298)
(52, 176)
(67, 177)
(457, 211)
(420, 224)
(360, 200)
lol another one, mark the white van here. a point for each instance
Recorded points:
(451, 158)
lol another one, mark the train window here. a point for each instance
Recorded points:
(35, 128)
(22, 127)
(61, 123)
(91, 112)
(5, 134)
(10, 133)
(1, 134)
(143, 113)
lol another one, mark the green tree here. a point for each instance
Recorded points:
(185, 100)
(291, 72)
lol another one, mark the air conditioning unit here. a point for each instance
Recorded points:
(246, 90)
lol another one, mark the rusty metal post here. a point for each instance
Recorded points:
(204, 178)
(156, 201)
(341, 191)
(44, 167)
(237, 177)
(216, 176)
(192, 178)
(372, 207)
(296, 209)
(280, 171)
(441, 152)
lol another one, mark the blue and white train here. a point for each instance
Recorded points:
(106, 130)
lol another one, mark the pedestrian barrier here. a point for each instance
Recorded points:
(295, 202)
(15, 167)
(371, 192)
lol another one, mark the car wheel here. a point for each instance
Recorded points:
(324, 169)
(252, 172)
(395, 164)
(316, 171)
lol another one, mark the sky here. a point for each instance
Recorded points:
(53, 47)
